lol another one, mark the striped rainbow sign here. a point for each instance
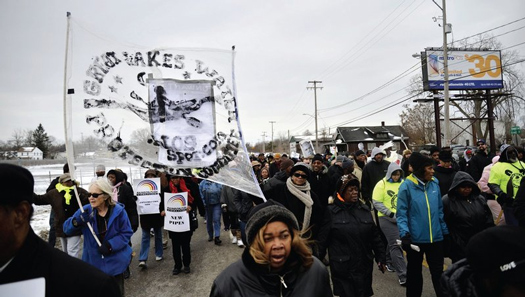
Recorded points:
(178, 200)
(147, 185)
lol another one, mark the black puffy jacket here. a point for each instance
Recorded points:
(464, 216)
(249, 279)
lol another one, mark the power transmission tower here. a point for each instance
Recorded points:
(315, 87)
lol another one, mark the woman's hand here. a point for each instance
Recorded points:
(188, 209)
(162, 213)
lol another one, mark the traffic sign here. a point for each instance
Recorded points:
(515, 130)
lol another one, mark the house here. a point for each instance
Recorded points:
(347, 139)
(30, 153)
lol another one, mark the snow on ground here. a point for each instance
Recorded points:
(84, 172)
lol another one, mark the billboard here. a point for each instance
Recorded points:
(467, 70)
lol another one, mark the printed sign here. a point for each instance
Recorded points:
(147, 192)
(466, 70)
(176, 219)
(307, 148)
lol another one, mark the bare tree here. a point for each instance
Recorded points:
(418, 122)
(18, 139)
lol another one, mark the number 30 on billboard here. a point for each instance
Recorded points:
(484, 65)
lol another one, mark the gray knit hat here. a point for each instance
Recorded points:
(267, 212)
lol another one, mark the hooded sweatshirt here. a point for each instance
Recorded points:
(372, 173)
(464, 216)
(385, 192)
(505, 176)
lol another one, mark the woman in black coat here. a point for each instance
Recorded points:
(466, 214)
(125, 196)
(353, 241)
(296, 195)
(276, 262)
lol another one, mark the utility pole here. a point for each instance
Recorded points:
(272, 122)
(445, 70)
(447, 28)
(315, 87)
(263, 143)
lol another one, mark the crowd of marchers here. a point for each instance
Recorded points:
(337, 216)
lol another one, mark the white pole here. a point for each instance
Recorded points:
(445, 79)
(69, 143)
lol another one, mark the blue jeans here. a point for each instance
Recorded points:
(144, 246)
(242, 226)
(213, 220)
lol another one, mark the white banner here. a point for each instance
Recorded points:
(148, 195)
(175, 205)
(171, 109)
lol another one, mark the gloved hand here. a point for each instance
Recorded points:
(406, 241)
(392, 215)
(382, 267)
(83, 217)
(503, 198)
(105, 249)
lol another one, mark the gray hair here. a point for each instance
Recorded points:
(106, 188)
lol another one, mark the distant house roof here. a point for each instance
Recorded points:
(27, 149)
(370, 133)
(298, 138)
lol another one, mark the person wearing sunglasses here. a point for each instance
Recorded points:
(112, 228)
(296, 195)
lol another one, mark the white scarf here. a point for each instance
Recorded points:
(305, 198)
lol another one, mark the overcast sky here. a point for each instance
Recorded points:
(353, 47)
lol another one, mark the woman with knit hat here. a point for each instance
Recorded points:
(276, 262)
(353, 241)
(420, 221)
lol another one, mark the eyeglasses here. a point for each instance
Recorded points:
(95, 195)
(303, 176)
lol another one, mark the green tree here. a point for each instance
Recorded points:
(40, 139)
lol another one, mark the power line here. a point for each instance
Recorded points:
(361, 41)
(495, 28)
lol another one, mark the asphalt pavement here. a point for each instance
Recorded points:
(208, 260)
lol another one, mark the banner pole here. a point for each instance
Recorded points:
(69, 145)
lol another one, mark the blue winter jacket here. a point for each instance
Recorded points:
(118, 235)
(420, 211)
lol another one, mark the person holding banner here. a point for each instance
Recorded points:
(180, 240)
(111, 227)
(151, 221)
(29, 266)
